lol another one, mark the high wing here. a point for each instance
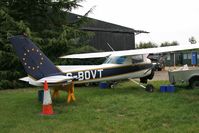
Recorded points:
(88, 55)
(133, 52)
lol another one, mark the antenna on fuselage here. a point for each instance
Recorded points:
(110, 46)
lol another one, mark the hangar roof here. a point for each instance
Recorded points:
(99, 25)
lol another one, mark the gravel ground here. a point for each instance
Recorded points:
(161, 75)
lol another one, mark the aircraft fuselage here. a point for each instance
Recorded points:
(105, 72)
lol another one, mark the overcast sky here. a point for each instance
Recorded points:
(166, 20)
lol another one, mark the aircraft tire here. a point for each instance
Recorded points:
(87, 84)
(149, 88)
(112, 86)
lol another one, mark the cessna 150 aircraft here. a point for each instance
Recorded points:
(118, 65)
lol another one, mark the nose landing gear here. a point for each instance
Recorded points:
(148, 87)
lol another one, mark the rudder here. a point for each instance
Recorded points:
(34, 61)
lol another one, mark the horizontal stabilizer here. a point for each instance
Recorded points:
(55, 79)
(25, 79)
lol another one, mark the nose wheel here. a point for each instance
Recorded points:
(149, 88)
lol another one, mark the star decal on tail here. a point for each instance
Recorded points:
(28, 53)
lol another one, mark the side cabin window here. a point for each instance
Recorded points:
(120, 60)
(137, 59)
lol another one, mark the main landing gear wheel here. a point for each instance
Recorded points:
(149, 88)
(112, 85)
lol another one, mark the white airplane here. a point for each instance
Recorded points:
(118, 65)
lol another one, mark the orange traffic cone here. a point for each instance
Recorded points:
(47, 102)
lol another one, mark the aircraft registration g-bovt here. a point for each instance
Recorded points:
(118, 65)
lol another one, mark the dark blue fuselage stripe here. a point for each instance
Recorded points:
(124, 70)
(107, 72)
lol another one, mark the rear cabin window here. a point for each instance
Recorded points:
(137, 59)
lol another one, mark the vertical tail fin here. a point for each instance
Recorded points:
(35, 63)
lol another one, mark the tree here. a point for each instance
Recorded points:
(10, 68)
(192, 40)
(45, 22)
(146, 45)
(165, 44)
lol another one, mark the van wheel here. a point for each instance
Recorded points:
(194, 83)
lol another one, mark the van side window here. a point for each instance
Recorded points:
(137, 59)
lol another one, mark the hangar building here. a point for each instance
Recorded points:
(118, 37)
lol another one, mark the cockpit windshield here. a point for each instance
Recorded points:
(116, 60)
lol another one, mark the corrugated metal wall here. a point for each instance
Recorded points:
(118, 41)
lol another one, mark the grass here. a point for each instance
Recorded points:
(127, 108)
